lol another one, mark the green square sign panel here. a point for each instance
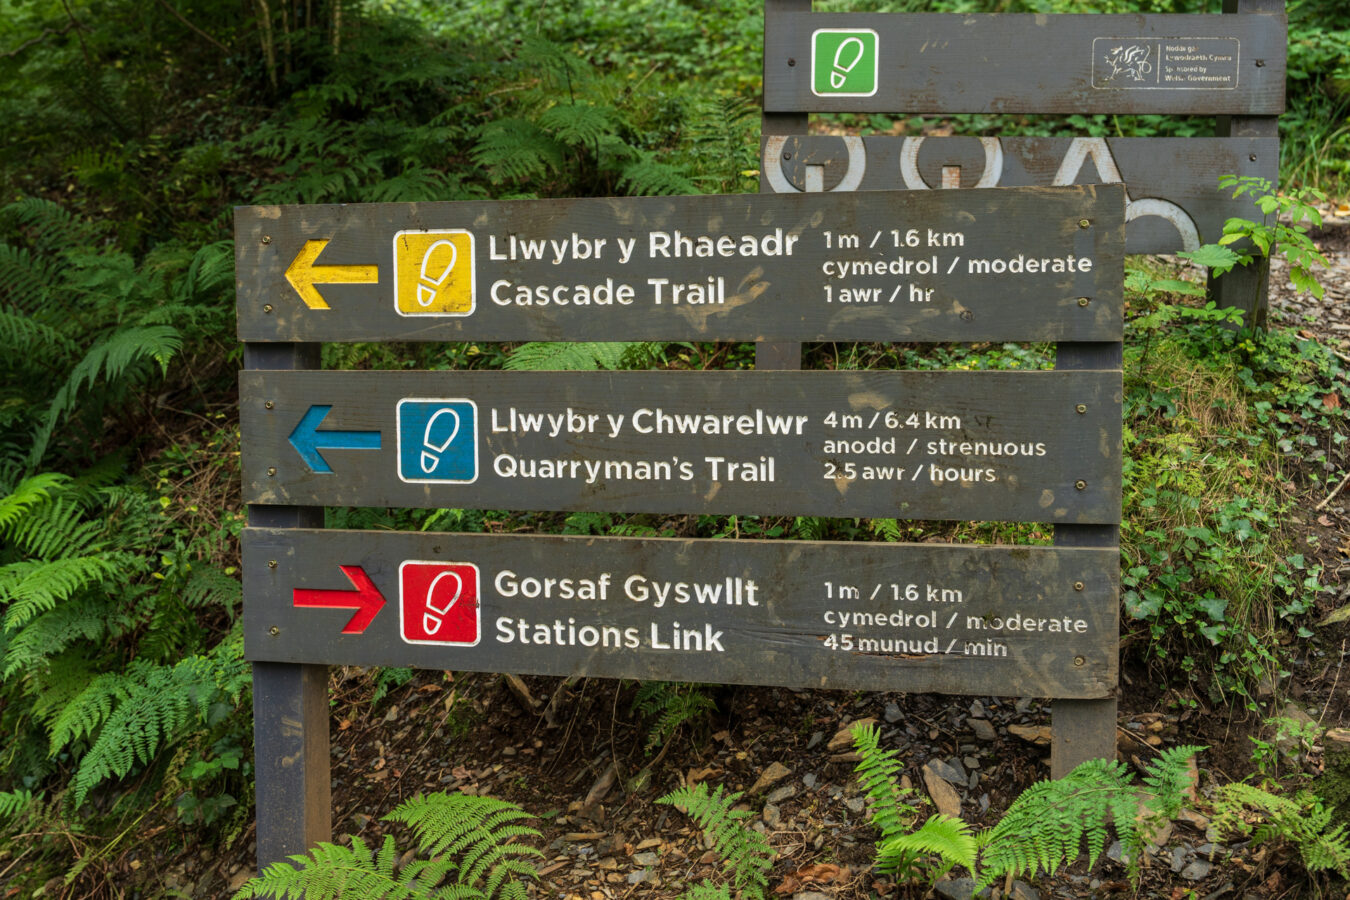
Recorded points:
(844, 62)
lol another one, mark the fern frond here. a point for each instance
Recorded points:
(109, 360)
(567, 356)
(1302, 820)
(53, 530)
(886, 529)
(671, 704)
(32, 648)
(948, 838)
(13, 803)
(578, 123)
(1168, 779)
(32, 587)
(1049, 823)
(746, 854)
(706, 890)
(878, 774)
(157, 706)
(331, 872)
(516, 150)
(647, 176)
(87, 712)
(27, 494)
(48, 226)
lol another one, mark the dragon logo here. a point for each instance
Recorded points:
(1131, 62)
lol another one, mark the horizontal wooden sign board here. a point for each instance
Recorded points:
(1024, 63)
(1173, 201)
(1023, 446)
(1007, 264)
(1020, 621)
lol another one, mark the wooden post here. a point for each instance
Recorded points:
(781, 354)
(1247, 287)
(290, 702)
(1084, 729)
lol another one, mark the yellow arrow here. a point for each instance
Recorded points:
(303, 274)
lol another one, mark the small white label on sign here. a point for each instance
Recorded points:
(1175, 64)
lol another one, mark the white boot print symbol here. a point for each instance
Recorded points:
(841, 68)
(429, 284)
(432, 444)
(437, 609)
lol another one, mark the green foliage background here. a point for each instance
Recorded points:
(132, 129)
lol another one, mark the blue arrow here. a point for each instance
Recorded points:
(308, 440)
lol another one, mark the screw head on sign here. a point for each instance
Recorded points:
(967, 315)
(1252, 157)
(1081, 408)
(1084, 223)
(1260, 63)
(268, 404)
(267, 239)
(267, 307)
(271, 564)
(1079, 661)
(787, 156)
(1080, 484)
(271, 470)
(274, 631)
(792, 62)
(1083, 301)
(1078, 585)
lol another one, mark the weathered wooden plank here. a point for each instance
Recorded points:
(1084, 729)
(946, 445)
(1173, 201)
(292, 781)
(880, 266)
(914, 617)
(1025, 63)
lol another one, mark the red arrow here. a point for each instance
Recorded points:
(366, 599)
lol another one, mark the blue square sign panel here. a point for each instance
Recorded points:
(437, 440)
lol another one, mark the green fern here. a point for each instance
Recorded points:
(648, 176)
(585, 356)
(473, 844)
(14, 803)
(949, 839)
(1303, 820)
(671, 705)
(745, 853)
(1045, 828)
(878, 774)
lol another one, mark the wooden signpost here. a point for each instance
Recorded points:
(1034, 621)
(1229, 66)
(918, 267)
(1035, 264)
(1020, 446)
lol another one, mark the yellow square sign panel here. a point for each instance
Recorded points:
(434, 273)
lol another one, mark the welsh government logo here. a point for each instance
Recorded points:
(434, 273)
(1133, 61)
(438, 603)
(845, 62)
(437, 441)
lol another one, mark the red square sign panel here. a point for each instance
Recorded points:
(438, 603)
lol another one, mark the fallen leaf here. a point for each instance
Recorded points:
(1332, 401)
(1324, 521)
(1339, 615)
(822, 873)
(788, 885)
(344, 724)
